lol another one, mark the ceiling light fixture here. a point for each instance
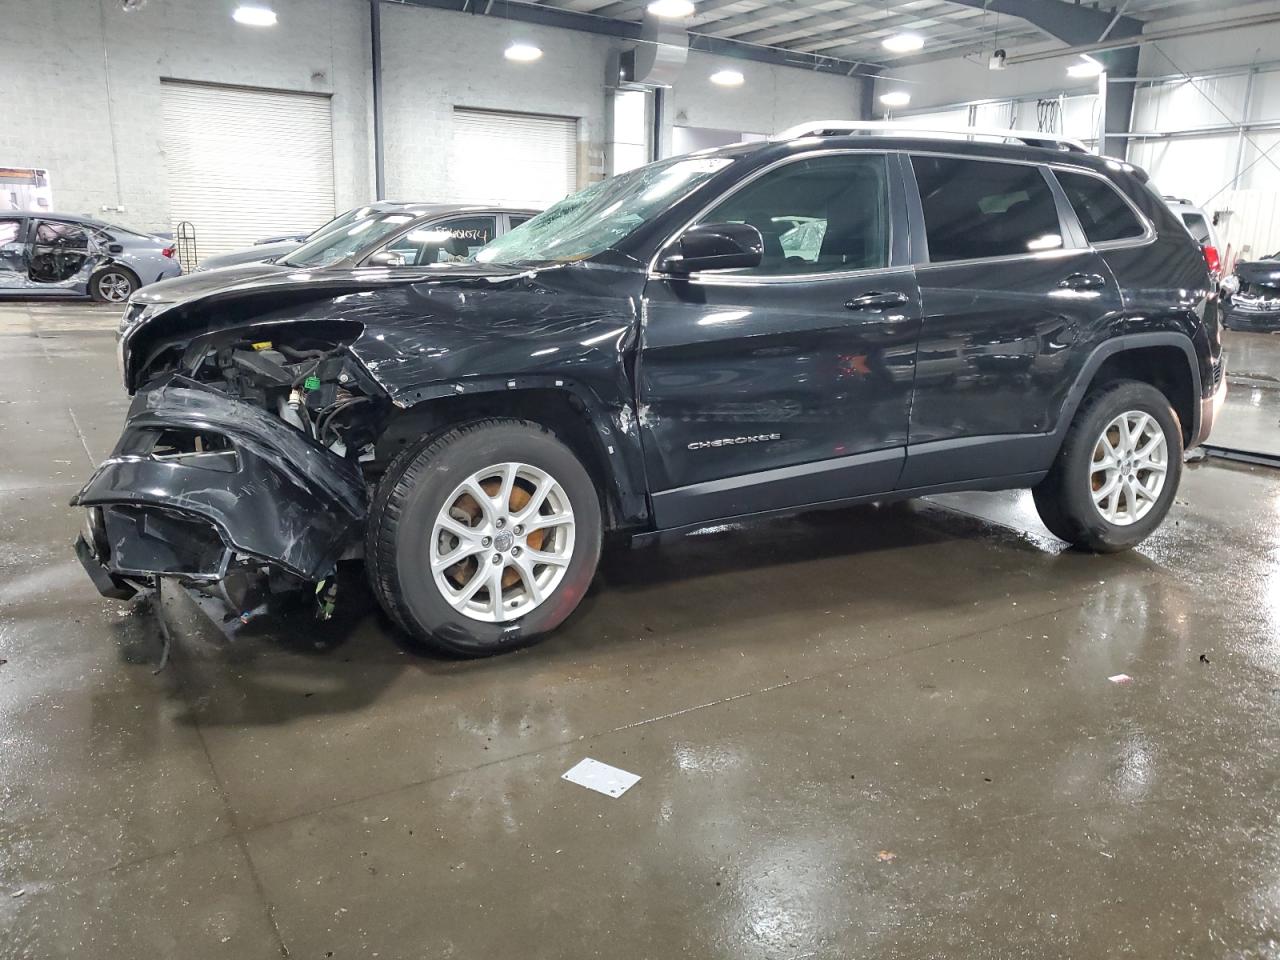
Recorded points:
(252, 15)
(727, 78)
(903, 43)
(671, 9)
(895, 98)
(522, 52)
(1087, 67)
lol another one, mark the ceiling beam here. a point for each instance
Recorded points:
(566, 19)
(1071, 23)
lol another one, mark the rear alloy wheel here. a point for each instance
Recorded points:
(485, 538)
(1117, 472)
(112, 286)
(1130, 463)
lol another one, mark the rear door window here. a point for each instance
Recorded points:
(976, 209)
(1103, 213)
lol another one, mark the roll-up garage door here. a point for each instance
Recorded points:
(246, 164)
(513, 158)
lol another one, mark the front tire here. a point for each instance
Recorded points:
(1117, 472)
(485, 538)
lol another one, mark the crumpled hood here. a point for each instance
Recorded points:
(194, 285)
(254, 278)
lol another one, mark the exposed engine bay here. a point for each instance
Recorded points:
(292, 417)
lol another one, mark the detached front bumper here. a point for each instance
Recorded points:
(201, 483)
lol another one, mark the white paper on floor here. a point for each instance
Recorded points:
(1121, 678)
(601, 778)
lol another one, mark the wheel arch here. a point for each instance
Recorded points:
(604, 438)
(1166, 360)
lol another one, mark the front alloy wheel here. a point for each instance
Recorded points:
(485, 537)
(502, 542)
(1130, 463)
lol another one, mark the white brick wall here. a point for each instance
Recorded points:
(53, 89)
(54, 108)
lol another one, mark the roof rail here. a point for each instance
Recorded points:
(831, 128)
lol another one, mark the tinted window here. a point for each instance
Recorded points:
(516, 221)
(820, 215)
(1198, 227)
(982, 208)
(443, 241)
(1102, 212)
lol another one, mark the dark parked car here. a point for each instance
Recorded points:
(649, 356)
(385, 234)
(277, 248)
(54, 254)
(1254, 295)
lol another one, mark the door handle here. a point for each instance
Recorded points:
(877, 301)
(1082, 281)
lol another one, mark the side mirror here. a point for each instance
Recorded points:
(714, 246)
(384, 258)
(115, 248)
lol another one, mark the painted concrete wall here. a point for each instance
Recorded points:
(435, 60)
(59, 58)
(770, 98)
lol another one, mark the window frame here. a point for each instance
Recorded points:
(1149, 231)
(1073, 240)
(899, 253)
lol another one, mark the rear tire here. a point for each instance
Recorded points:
(1118, 470)
(519, 512)
(113, 285)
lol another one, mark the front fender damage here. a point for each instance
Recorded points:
(205, 488)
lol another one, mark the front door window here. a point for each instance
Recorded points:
(58, 251)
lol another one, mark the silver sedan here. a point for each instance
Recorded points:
(57, 255)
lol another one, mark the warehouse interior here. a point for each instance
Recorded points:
(906, 728)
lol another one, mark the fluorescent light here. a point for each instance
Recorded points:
(1087, 67)
(252, 15)
(727, 78)
(903, 42)
(895, 98)
(522, 52)
(672, 9)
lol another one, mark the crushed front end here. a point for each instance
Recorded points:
(1254, 293)
(239, 474)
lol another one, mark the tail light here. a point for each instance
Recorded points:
(168, 252)
(1212, 259)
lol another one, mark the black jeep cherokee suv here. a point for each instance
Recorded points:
(839, 314)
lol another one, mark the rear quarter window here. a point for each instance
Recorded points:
(1103, 213)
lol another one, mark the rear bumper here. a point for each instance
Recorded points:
(266, 495)
(1211, 405)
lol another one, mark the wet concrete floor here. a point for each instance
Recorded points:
(880, 733)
